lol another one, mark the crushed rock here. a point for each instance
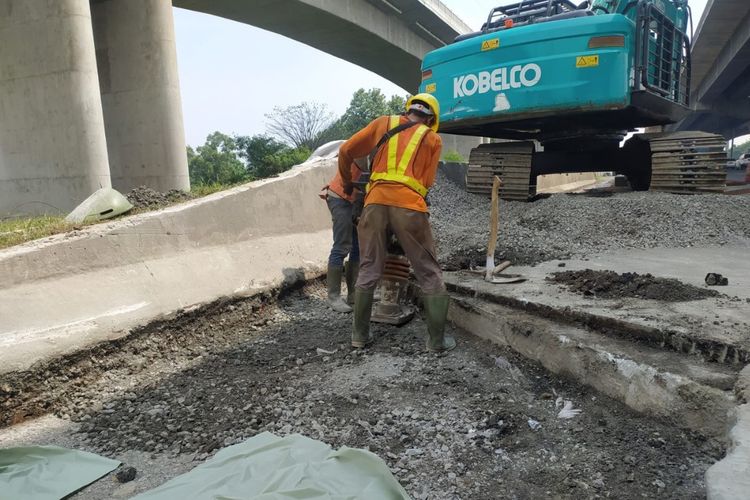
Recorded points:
(564, 226)
(449, 427)
(610, 285)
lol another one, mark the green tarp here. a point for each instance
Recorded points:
(268, 467)
(48, 472)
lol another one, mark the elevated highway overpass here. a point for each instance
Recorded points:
(720, 80)
(90, 96)
(388, 38)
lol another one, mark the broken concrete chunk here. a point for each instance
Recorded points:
(125, 474)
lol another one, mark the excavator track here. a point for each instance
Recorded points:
(687, 162)
(511, 161)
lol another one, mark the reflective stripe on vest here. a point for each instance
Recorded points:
(397, 167)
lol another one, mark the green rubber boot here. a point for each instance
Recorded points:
(362, 310)
(333, 278)
(436, 314)
(351, 272)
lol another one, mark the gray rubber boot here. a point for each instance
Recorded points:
(362, 310)
(436, 314)
(333, 278)
(351, 272)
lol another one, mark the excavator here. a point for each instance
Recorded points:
(561, 88)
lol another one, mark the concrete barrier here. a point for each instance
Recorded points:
(68, 291)
(729, 478)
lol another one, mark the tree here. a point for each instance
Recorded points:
(265, 156)
(396, 104)
(253, 150)
(364, 107)
(301, 125)
(216, 162)
(282, 160)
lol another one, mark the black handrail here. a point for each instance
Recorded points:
(526, 11)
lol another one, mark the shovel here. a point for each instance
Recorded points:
(490, 269)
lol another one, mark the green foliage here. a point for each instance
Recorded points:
(453, 156)
(216, 162)
(224, 160)
(281, 161)
(265, 156)
(365, 106)
(295, 131)
(396, 105)
(254, 150)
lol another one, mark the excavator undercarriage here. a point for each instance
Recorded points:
(673, 162)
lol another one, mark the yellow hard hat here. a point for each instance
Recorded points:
(431, 103)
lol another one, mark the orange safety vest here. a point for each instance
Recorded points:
(399, 168)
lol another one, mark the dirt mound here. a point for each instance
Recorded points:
(611, 285)
(147, 198)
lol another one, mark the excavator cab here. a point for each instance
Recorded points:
(574, 79)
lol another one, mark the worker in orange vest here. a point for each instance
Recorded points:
(404, 151)
(345, 242)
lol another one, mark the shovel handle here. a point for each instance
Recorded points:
(494, 214)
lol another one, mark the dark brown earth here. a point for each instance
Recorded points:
(478, 423)
(144, 197)
(611, 285)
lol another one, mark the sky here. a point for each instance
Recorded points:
(229, 79)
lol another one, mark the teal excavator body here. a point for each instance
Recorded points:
(561, 85)
(541, 68)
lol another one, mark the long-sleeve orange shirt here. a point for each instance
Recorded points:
(394, 194)
(337, 185)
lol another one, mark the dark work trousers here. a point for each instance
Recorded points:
(345, 241)
(412, 228)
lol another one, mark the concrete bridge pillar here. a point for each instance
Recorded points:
(53, 151)
(137, 59)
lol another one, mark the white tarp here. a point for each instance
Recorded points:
(268, 467)
(48, 472)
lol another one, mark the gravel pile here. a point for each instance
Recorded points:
(146, 198)
(611, 285)
(565, 226)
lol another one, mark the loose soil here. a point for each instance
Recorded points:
(145, 198)
(611, 285)
(477, 423)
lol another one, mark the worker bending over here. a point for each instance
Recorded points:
(405, 150)
(345, 241)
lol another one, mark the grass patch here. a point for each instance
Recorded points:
(206, 189)
(17, 231)
(20, 230)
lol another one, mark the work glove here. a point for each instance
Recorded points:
(348, 189)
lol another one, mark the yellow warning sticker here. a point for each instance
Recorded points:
(491, 44)
(587, 61)
(430, 88)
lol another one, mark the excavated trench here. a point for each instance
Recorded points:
(479, 422)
